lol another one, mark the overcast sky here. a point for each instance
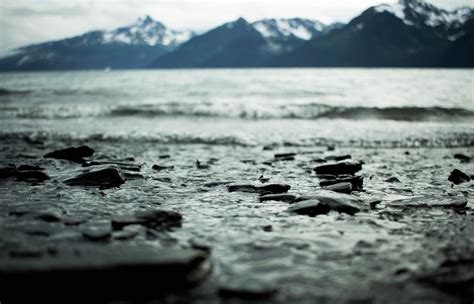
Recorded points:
(31, 21)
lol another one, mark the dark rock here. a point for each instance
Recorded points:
(339, 168)
(263, 179)
(288, 158)
(48, 216)
(32, 176)
(161, 168)
(8, 172)
(340, 187)
(331, 147)
(457, 177)
(278, 197)
(267, 228)
(275, 188)
(392, 179)
(123, 166)
(463, 158)
(243, 188)
(318, 160)
(338, 157)
(247, 291)
(73, 154)
(29, 168)
(325, 201)
(130, 176)
(374, 202)
(150, 218)
(163, 156)
(268, 189)
(357, 182)
(98, 176)
(108, 273)
(285, 155)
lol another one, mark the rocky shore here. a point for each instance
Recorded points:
(218, 223)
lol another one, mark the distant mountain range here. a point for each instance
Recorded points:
(410, 33)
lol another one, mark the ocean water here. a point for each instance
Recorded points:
(301, 107)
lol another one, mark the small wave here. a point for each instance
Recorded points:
(243, 111)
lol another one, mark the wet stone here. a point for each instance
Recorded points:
(338, 157)
(434, 201)
(265, 189)
(392, 179)
(278, 197)
(48, 216)
(339, 168)
(75, 154)
(357, 182)
(162, 168)
(149, 218)
(102, 176)
(97, 231)
(128, 232)
(123, 166)
(462, 158)
(116, 272)
(458, 177)
(340, 187)
(325, 201)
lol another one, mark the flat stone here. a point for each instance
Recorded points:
(75, 154)
(278, 197)
(435, 201)
(338, 157)
(161, 168)
(102, 176)
(357, 182)
(265, 189)
(463, 158)
(323, 202)
(458, 177)
(392, 179)
(154, 218)
(121, 165)
(340, 187)
(347, 167)
(106, 272)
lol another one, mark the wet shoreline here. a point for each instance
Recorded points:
(409, 241)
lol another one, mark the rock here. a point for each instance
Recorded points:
(458, 177)
(73, 154)
(392, 179)
(98, 176)
(263, 179)
(98, 230)
(463, 158)
(274, 188)
(318, 160)
(31, 176)
(267, 228)
(161, 168)
(163, 156)
(338, 157)
(285, 155)
(265, 189)
(325, 201)
(278, 197)
(123, 166)
(22, 175)
(243, 188)
(48, 216)
(128, 232)
(154, 218)
(434, 201)
(107, 272)
(339, 168)
(357, 182)
(249, 290)
(340, 187)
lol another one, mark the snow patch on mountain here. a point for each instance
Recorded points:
(418, 12)
(304, 29)
(146, 31)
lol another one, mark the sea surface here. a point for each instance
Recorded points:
(300, 107)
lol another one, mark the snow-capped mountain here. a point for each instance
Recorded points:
(304, 29)
(146, 31)
(133, 46)
(420, 13)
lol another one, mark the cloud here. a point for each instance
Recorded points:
(25, 22)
